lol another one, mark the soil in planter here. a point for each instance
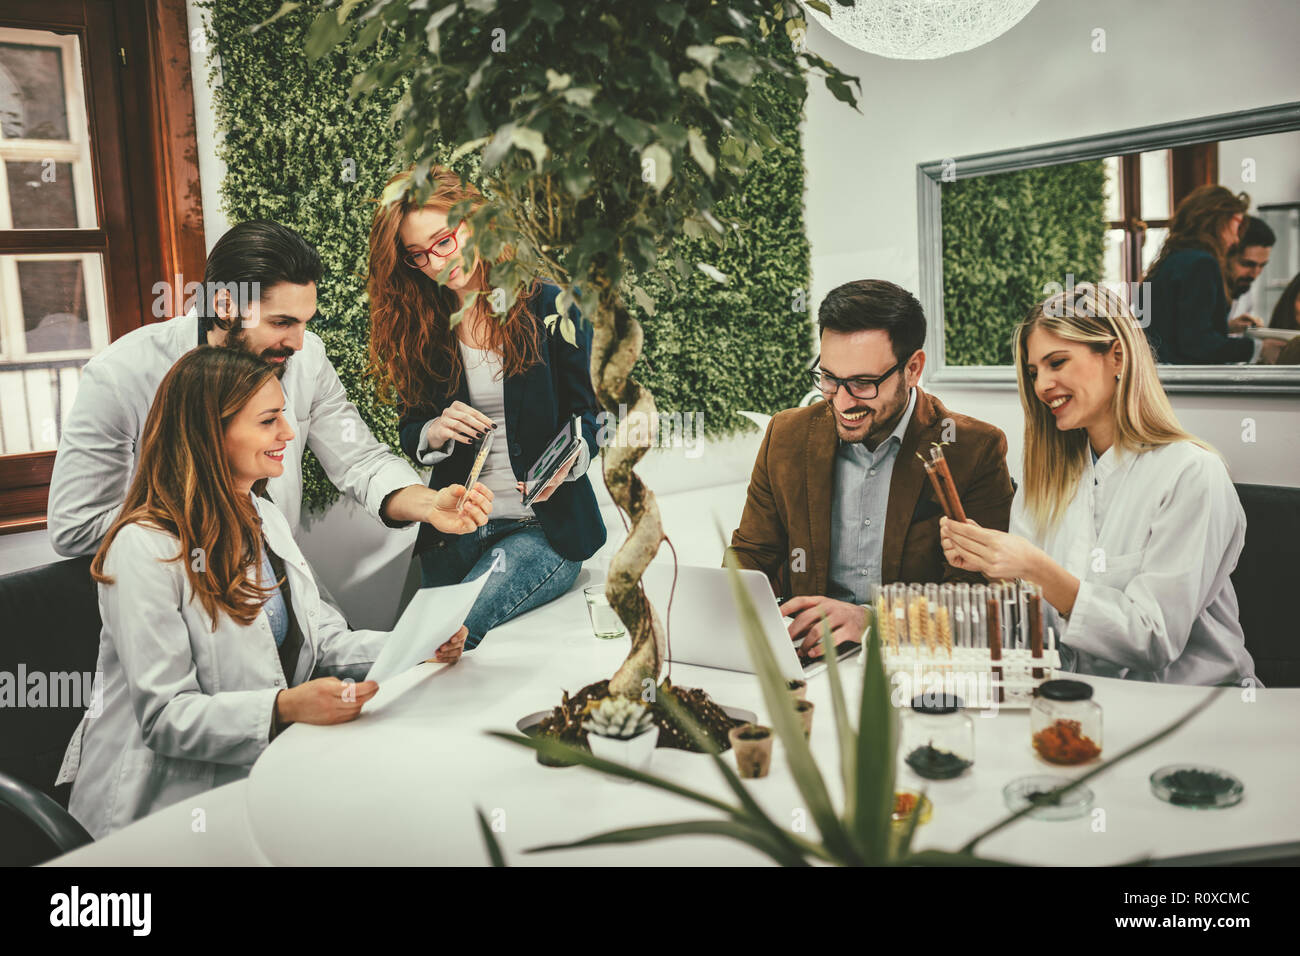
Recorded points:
(565, 721)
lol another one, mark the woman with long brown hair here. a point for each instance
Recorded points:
(212, 624)
(507, 374)
(1188, 288)
(1130, 525)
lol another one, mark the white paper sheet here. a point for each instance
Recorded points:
(433, 616)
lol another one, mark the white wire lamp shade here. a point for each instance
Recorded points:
(921, 29)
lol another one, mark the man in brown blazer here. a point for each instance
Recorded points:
(839, 501)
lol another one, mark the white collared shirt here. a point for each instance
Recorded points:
(1152, 537)
(101, 438)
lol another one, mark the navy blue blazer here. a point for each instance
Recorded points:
(537, 403)
(1188, 312)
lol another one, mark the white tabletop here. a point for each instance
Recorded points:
(400, 785)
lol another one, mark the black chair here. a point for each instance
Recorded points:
(1268, 571)
(33, 827)
(50, 628)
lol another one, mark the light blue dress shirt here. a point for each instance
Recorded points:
(858, 505)
(275, 608)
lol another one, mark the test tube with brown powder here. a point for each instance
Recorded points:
(944, 487)
(992, 620)
(1036, 627)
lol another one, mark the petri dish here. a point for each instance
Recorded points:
(1196, 786)
(1071, 805)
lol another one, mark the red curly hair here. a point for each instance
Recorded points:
(414, 356)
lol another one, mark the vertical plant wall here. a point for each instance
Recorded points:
(1007, 236)
(297, 151)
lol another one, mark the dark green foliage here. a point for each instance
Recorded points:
(1007, 236)
(289, 127)
(288, 140)
(742, 346)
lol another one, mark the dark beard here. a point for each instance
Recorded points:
(876, 436)
(1241, 287)
(235, 340)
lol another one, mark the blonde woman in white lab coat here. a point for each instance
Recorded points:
(212, 622)
(1130, 525)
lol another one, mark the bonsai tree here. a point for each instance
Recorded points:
(602, 132)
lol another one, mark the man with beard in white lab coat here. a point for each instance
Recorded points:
(259, 293)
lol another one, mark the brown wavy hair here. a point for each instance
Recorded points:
(184, 485)
(413, 350)
(1197, 224)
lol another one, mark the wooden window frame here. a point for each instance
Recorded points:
(1189, 167)
(144, 155)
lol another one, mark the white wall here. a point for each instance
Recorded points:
(1039, 83)
(1165, 60)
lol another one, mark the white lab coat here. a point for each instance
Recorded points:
(1152, 538)
(100, 442)
(186, 708)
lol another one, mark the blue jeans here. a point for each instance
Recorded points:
(533, 574)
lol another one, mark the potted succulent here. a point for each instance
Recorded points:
(619, 730)
(752, 744)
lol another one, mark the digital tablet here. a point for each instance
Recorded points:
(562, 450)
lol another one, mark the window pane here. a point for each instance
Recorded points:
(42, 195)
(1112, 262)
(46, 180)
(1155, 184)
(53, 294)
(33, 101)
(1112, 190)
(1151, 246)
(53, 315)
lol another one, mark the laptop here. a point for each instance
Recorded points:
(705, 628)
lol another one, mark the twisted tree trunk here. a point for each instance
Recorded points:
(616, 346)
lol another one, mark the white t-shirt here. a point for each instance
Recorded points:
(484, 378)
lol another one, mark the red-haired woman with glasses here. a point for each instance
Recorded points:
(453, 385)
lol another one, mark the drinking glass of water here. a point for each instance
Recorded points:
(604, 622)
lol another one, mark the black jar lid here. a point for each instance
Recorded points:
(936, 703)
(1065, 690)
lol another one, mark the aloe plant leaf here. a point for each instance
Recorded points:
(844, 733)
(877, 752)
(490, 840)
(743, 832)
(756, 813)
(1101, 768)
(909, 829)
(787, 726)
(557, 749)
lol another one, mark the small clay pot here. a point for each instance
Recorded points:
(804, 708)
(797, 689)
(753, 754)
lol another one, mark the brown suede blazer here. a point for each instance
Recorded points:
(785, 530)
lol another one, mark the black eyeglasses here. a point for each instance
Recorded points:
(859, 386)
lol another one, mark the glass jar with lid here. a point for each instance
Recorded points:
(938, 740)
(1065, 722)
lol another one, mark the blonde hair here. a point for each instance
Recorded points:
(1054, 460)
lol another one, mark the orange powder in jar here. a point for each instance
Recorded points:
(1062, 742)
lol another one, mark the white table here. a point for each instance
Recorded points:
(400, 784)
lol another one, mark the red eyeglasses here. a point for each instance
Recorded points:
(444, 247)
